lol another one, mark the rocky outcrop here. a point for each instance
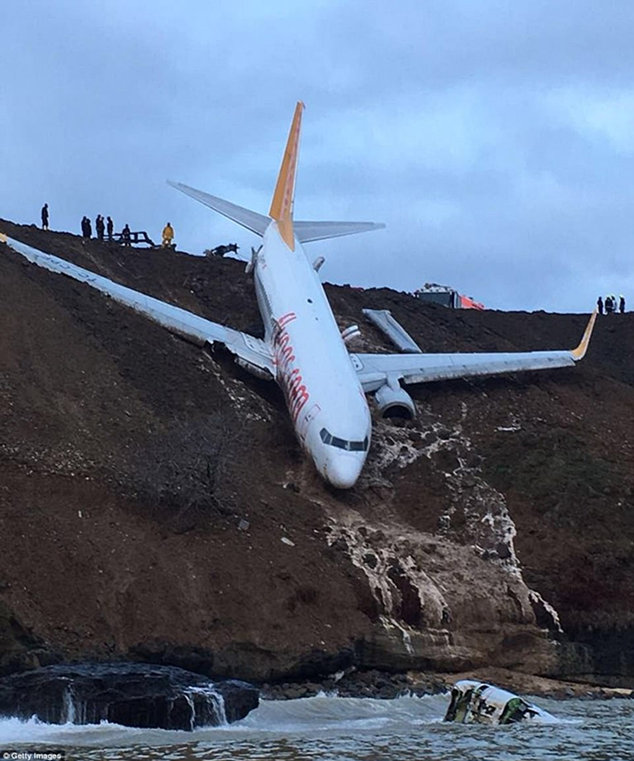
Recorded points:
(453, 599)
(133, 695)
(19, 648)
(164, 488)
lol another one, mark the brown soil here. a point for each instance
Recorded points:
(155, 503)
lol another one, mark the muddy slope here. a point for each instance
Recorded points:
(154, 502)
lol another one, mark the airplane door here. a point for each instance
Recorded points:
(306, 419)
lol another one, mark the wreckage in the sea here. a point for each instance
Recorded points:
(480, 703)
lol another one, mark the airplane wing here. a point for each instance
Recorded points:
(250, 352)
(375, 370)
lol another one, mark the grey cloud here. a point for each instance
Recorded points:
(460, 124)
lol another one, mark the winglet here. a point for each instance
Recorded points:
(580, 351)
(282, 203)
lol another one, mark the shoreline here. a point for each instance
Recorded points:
(386, 686)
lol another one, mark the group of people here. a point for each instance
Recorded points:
(611, 305)
(105, 227)
(102, 227)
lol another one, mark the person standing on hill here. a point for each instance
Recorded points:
(609, 305)
(621, 304)
(600, 305)
(168, 236)
(125, 235)
(99, 226)
(86, 227)
(45, 217)
(110, 228)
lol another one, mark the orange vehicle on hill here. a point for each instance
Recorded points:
(446, 296)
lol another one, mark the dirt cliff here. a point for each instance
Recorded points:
(155, 504)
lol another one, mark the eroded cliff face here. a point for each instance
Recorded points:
(155, 504)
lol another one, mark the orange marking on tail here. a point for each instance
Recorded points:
(283, 197)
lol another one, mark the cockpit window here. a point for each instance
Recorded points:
(350, 446)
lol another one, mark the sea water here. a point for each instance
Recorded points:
(348, 729)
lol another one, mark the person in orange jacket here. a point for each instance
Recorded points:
(168, 235)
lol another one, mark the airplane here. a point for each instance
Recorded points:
(303, 349)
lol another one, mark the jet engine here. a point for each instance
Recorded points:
(394, 402)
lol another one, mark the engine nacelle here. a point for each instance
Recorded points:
(393, 401)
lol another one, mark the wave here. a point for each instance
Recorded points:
(302, 716)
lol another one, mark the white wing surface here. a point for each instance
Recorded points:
(252, 352)
(253, 221)
(374, 370)
(257, 223)
(309, 231)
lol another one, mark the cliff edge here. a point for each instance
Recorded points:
(155, 504)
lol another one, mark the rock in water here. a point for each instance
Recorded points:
(480, 703)
(131, 694)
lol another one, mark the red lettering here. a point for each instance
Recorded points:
(289, 378)
(286, 318)
(301, 396)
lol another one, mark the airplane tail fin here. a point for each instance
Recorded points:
(283, 197)
(282, 204)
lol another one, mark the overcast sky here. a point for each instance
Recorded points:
(495, 139)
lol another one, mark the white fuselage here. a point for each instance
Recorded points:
(325, 400)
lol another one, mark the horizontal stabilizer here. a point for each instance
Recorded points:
(253, 221)
(305, 232)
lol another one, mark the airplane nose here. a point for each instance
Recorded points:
(342, 469)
